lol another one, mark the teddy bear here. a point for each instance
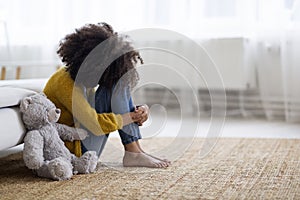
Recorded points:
(44, 150)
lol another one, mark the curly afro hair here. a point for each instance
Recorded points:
(95, 54)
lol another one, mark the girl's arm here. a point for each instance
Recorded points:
(98, 124)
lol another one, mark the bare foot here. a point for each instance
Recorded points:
(163, 160)
(131, 159)
(168, 162)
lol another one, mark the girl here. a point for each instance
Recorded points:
(71, 86)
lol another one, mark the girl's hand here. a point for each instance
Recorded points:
(139, 116)
(131, 117)
(144, 110)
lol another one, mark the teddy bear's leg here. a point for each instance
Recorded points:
(87, 163)
(56, 169)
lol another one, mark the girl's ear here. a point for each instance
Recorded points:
(24, 103)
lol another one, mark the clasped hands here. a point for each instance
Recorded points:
(138, 116)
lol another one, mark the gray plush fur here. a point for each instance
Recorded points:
(44, 151)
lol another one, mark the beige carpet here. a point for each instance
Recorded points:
(235, 169)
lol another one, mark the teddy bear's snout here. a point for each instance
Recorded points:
(57, 111)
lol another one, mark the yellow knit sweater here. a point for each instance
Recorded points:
(71, 100)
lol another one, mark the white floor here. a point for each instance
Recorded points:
(161, 126)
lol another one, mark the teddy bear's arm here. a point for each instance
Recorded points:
(33, 150)
(69, 133)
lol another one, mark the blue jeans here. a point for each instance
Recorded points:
(118, 102)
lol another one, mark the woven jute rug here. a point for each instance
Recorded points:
(234, 169)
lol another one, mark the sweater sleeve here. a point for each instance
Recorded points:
(98, 124)
(61, 90)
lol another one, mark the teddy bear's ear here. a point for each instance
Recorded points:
(24, 103)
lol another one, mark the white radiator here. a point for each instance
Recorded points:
(170, 80)
(228, 55)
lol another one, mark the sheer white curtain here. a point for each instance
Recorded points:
(268, 34)
(45, 22)
(275, 43)
(291, 66)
